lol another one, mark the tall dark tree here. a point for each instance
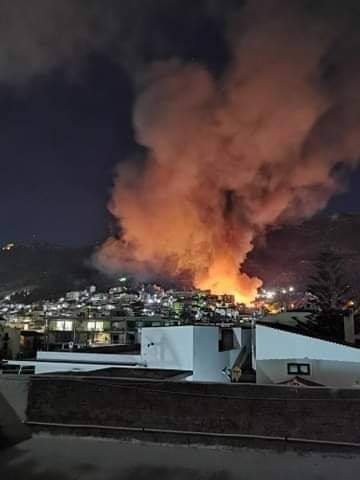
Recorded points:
(331, 292)
(328, 283)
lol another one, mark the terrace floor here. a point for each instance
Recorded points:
(47, 457)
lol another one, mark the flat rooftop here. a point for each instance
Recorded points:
(129, 373)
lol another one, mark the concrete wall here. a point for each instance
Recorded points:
(272, 343)
(210, 364)
(208, 361)
(15, 391)
(48, 362)
(330, 363)
(51, 367)
(168, 347)
(314, 413)
(323, 372)
(12, 430)
(88, 357)
(189, 348)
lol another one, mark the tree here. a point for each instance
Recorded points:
(331, 292)
(328, 284)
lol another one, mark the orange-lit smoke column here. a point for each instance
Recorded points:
(228, 158)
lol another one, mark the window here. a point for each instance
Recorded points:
(298, 368)
(118, 326)
(27, 370)
(11, 368)
(96, 326)
(226, 339)
(64, 325)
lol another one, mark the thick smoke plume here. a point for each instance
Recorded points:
(228, 158)
(230, 152)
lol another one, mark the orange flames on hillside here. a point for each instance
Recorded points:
(223, 277)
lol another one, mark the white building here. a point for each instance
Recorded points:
(208, 352)
(282, 356)
(72, 296)
(215, 354)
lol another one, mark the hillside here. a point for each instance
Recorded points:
(46, 270)
(285, 258)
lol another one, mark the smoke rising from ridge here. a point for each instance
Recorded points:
(253, 130)
(227, 158)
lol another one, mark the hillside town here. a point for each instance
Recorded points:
(89, 317)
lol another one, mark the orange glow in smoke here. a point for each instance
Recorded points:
(224, 278)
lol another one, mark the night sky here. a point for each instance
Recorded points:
(64, 129)
(60, 143)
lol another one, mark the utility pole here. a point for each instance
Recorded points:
(46, 331)
(349, 323)
(74, 330)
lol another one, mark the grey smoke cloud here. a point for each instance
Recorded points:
(38, 35)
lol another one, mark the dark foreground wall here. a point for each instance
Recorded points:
(12, 430)
(310, 413)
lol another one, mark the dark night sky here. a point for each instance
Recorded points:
(59, 145)
(62, 136)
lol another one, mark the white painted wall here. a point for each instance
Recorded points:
(168, 347)
(88, 357)
(209, 363)
(275, 344)
(193, 348)
(239, 336)
(331, 364)
(324, 372)
(45, 367)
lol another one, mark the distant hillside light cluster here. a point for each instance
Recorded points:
(8, 247)
(229, 157)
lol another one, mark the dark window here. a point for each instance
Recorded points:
(11, 368)
(131, 338)
(226, 341)
(29, 370)
(298, 369)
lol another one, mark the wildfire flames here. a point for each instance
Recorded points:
(229, 157)
(223, 277)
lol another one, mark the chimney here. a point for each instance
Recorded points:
(349, 326)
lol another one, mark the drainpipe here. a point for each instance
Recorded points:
(349, 326)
